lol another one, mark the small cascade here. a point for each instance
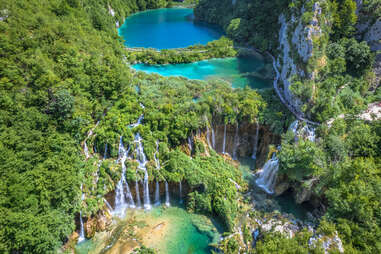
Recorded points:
(86, 150)
(120, 194)
(267, 177)
(213, 139)
(181, 192)
(190, 144)
(167, 203)
(236, 142)
(208, 136)
(294, 126)
(82, 229)
(255, 148)
(138, 201)
(309, 132)
(157, 162)
(105, 153)
(157, 194)
(141, 158)
(224, 142)
(108, 205)
(139, 122)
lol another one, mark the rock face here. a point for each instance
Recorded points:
(296, 44)
(242, 143)
(369, 30)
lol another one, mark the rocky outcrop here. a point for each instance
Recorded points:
(297, 46)
(369, 30)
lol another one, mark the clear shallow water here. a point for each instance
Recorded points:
(239, 71)
(167, 230)
(166, 29)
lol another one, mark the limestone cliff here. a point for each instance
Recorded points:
(300, 46)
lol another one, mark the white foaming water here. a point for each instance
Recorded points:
(213, 139)
(157, 162)
(157, 194)
(141, 158)
(82, 230)
(86, 150)
(255, 148)
(267, 177)
(122, 191)
(190, 144)
(138, 201)
(167, 203)
(139, 122)
(108, 205)
(294, 126)
(224, 142)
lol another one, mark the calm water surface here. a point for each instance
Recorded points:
(166, 29)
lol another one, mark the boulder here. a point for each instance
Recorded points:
(90, 227)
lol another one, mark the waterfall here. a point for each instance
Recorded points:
(108, 205)
(255, 148)
(139, 122)
(181, 192)
(224, 142)
(141, 158)
(82, 230)
(138, 201)
(167, 203)
(309, 132)
(86, 150)
(105, 153)
(190, 144)
(157, 194)
(213, 139)
(120, 194)
(157, 162)
(208, 136)
(294, 126)
(236, 142)
(267, 177)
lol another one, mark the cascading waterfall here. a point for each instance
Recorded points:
(181, 192)
(236, 142)
(309, 132)
(82, 229)
(167, 203)
(86, 150)
(105, 153)
(120, 194)
(157, 194)
(294, 126)
(139, 122)
(108, 205)
(141, 158)
(255, 148)
(224, 142)
(208, 136)
(213, 139)
(267, 177)
(138, 201)
(190, 144)
(157, 162)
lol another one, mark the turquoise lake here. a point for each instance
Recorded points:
(239, 71)
(166, 29)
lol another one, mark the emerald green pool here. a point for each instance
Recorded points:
(239, 71)
(169, 230)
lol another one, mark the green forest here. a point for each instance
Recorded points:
(65, 74)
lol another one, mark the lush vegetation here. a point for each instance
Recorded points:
(248, 22)
(62, 70)
(220, 48)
